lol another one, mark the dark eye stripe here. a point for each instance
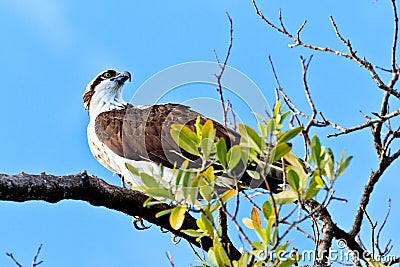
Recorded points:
(100, 78)
(112, 72)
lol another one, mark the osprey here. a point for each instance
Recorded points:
(120, 133)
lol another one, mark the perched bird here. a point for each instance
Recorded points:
(120, 133)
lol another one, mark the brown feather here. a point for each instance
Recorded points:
(143, 134)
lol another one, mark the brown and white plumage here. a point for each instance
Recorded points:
(120, 133)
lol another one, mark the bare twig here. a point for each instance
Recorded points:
(35, 263)
(373, 226)
(330, 231)
(196, 253)
(369, 123)
(352, 54)
(169, 257)
(222, 219)
(274, 72)
(314, 111)
(222, 67)
(381, 253)
(395, 37)
(13, 259)
(291, 225)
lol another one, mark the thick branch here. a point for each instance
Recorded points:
(330, 231)
(369, 187)
(24, 187)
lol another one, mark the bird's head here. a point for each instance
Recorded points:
(104, 92)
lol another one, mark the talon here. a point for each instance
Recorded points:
(163, 230)
(175, 239)
(138, 223)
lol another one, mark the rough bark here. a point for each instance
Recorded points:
(50, 188)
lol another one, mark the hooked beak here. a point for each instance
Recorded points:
(122, 77)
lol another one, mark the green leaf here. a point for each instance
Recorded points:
(263, 129)
(316, 150)
(285, 197)
(320, 183)
(205, 191)
(149, 181)
(198, 127)
(280, 150)
(344, 162)
(185, 138)
(329, 164)
(233, 156)
(185, 184)
(194, 189)
(158, 192)
(250, 137)
(206, 146)
(284, 115)
(271, 126)
(316, 184)
(257, 245)
(244, 259)
(212, 257)
(163, 212)
(132, 169)
(277, 108)
(293, 179)
(193, 233)
(206, 221)
(209, 175)
(177, 216)
(228, 195)
(286, 136)
(253, 174)
(221, 255)
(149, 202)
(208, 131)
(281, 248)
(267, 210)
(221, 152)
(375, 263)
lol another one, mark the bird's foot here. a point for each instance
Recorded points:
(138, 223)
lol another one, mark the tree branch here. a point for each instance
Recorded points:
(352, 54)
(369, 187)
(330, 231)
(50, 188)
(380, 119)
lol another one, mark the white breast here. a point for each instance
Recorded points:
(116, 163)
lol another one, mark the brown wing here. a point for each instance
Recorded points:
(144, 133)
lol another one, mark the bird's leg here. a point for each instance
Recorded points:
(137, 222)
(122, 180)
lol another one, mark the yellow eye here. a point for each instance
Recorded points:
(107, 75)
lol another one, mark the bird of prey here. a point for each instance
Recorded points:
(120, 133)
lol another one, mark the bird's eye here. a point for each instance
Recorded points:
(107, 75)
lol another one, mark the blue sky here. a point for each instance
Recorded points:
(50, 50)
